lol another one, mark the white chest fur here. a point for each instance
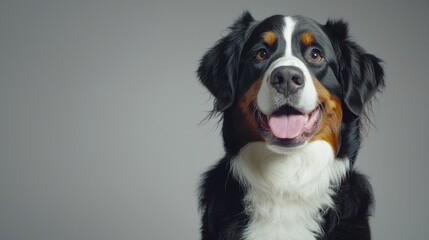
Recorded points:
(287, 193)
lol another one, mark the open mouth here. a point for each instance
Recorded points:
(287, 126)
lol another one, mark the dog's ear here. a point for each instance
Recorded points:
(219, 66)
(360, 74)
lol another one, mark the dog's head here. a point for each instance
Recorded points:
(287, 81)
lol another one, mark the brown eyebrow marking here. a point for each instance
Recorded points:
(307, 38)
(270, 38)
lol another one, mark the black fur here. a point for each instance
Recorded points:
(218, 67)
(359, 77)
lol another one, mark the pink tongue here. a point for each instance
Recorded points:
(287, 126)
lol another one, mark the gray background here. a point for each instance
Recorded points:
(100, 111)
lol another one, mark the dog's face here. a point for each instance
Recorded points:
(288, 60)
(289, 80)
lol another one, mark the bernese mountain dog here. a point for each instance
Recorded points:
(292, 95)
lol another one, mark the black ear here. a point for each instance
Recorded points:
(360, 74)
(219, 65)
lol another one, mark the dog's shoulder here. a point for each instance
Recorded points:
(353, 207)
(221, 203)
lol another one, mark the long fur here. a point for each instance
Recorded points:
(313, 192)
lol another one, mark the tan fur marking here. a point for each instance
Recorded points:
(307, 38)
(331, 115)
(249, 127)
(270, 38)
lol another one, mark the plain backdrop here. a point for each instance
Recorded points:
(100, 111)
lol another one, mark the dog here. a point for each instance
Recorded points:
(293, 96)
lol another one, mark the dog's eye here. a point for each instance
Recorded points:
(262, 54)
(314, 55)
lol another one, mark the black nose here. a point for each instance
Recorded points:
(287, 80)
